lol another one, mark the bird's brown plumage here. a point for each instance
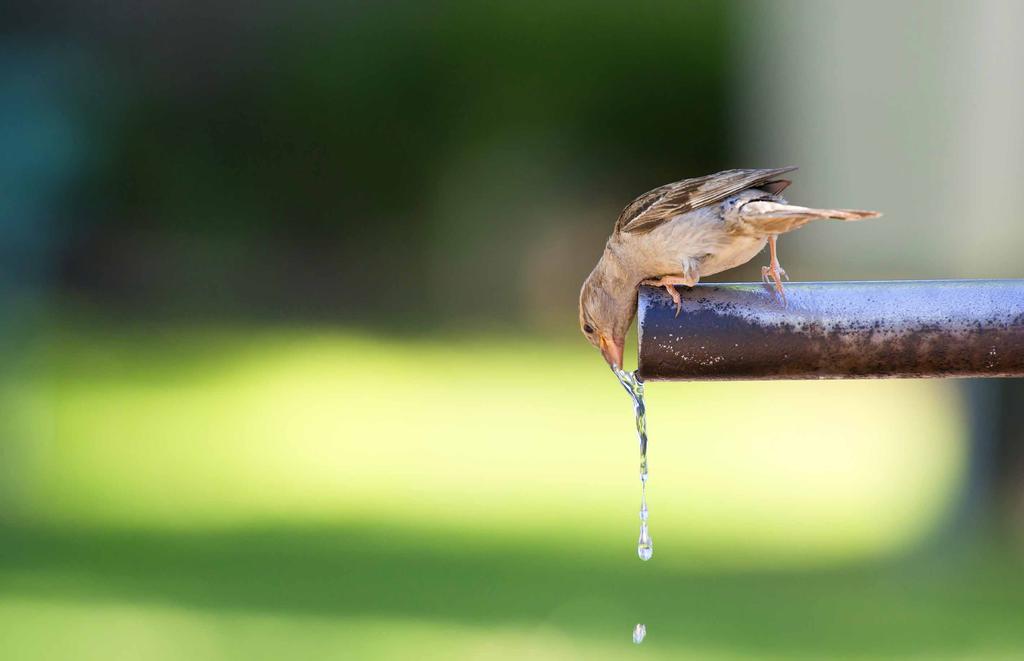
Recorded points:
(680, 232)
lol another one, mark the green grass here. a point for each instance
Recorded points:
(224, 494)
(381, 592)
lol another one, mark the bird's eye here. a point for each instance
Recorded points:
(588, 329)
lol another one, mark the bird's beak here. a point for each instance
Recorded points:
(612, 351)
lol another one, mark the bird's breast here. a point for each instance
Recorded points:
(683, 239)
(731, 253)
(697, 240)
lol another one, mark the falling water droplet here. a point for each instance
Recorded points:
(639, 631)
(644, 548)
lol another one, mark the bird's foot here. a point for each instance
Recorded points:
(669, 282)
(768, 278)
(772, 276)
(774, 271)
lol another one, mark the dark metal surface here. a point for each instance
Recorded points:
(834, 330)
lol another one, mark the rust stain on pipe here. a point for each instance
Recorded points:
(834, 330)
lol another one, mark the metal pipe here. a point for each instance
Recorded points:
(834, 330)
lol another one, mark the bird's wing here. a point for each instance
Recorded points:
(661, 204)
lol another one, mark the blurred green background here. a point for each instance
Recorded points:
(291, 364)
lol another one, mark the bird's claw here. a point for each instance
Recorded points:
(676, 298)
(670, 289)
(767, 277)
(772, 276)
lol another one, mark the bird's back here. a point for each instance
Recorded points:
(699, 240)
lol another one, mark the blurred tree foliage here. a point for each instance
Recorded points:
(326, 160)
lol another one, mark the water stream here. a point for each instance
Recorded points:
(635, 387)
(644, 548)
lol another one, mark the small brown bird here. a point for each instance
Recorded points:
(679, 232)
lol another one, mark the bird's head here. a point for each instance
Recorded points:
(605, 315)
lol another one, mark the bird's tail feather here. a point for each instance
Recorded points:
(767, 217)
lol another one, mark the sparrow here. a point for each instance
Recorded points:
(679, 232)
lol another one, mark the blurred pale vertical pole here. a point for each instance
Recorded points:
(993, 169)
(912, 108)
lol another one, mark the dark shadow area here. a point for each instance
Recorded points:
(913, 606)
